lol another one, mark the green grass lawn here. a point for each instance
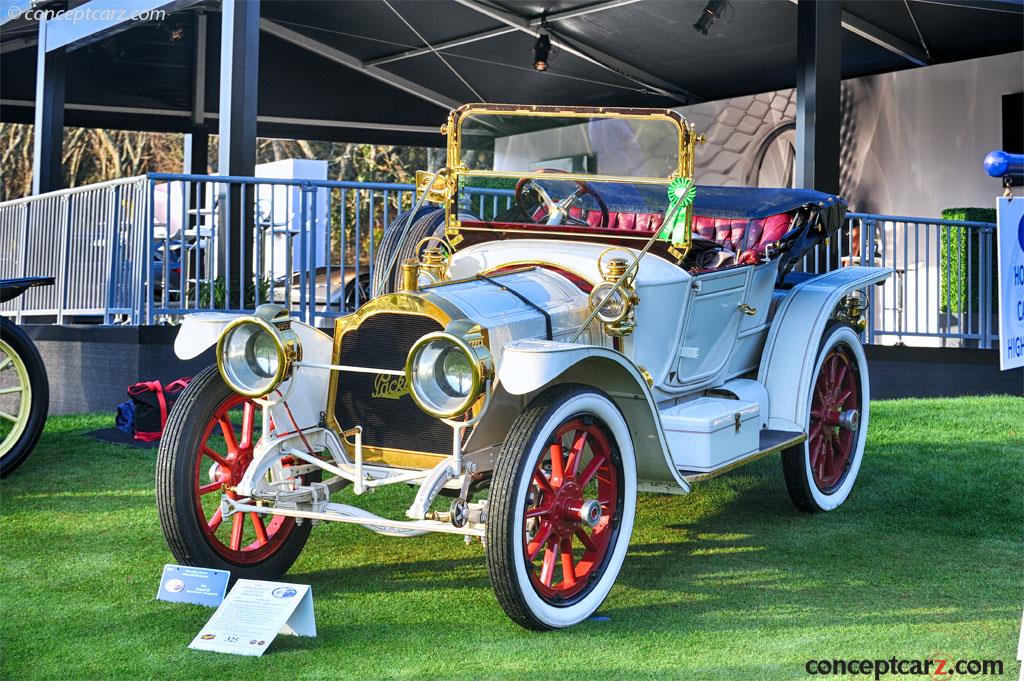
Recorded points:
(729, 582)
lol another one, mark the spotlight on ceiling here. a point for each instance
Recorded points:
(175, 32)
(711, 11)
(541, 52)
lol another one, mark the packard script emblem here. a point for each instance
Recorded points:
(389, 387)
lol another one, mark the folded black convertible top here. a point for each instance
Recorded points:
(752, 202)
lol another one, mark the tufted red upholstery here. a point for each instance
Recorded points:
(746, 238)
(641, 222)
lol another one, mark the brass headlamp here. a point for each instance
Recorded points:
(255, 353)
(447, 371)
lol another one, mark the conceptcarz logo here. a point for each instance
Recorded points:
(938, 666)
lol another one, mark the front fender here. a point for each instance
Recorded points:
(791, 349)
(305, 392)
(200, 331)
(529, 366)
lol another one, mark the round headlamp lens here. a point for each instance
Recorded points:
(454, 372)
(614, 308)
(250, 359)
(443, 377)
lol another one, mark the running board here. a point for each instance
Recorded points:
(771, 441)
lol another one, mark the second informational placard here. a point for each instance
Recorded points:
(253, 614)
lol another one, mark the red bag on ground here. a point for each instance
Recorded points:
(152, 404)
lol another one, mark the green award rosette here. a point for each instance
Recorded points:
(681, 192)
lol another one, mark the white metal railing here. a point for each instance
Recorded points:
(89, 238)
(146, 250)
(944, 287)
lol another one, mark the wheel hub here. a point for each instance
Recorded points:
(849, 419)
(565, 508)
(589, 512)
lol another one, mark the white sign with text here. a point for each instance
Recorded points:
(1010, 234)
(253, 614)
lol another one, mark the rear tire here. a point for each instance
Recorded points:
(821, 471)
(545, 506)
(24, 376)
(189, 479)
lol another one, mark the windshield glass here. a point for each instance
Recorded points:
(612, 147)
(539, 201)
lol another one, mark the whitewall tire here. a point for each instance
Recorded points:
(820, 472)
(561, 508)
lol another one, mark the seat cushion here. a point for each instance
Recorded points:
(640, 222)
(747, 238)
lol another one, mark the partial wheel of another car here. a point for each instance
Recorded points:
(821, 471)
(24, 396)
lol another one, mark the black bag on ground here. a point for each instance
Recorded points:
(152, 404)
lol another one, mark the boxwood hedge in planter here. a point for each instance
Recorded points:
(960, 261)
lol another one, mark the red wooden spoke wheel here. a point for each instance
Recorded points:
(569, 515)
(821, 471)
(225, 451)
(561, 507)
(835, 410)
(207, 445)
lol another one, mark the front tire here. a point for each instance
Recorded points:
(821, 471)
(208, 443)
(24, 396)
(561, 508)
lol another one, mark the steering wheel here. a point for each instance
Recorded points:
(557, 212)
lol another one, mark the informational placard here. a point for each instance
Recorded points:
(201, 586)
(1010, 234)
(253, 614)
(1020, 645)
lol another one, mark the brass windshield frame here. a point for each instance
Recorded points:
(456, 168)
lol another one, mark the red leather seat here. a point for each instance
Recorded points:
(640, 222)
(747, 238)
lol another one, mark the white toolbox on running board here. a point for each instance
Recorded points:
(710, 432)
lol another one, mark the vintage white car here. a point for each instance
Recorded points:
(577, 322)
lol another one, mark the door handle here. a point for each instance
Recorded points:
(747, 310)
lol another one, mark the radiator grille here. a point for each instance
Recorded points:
(378, 402)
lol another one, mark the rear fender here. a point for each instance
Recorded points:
(530, 366)
(791, 349)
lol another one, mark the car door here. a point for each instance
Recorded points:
(711, 324)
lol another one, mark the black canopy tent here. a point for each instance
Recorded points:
(387, 71)
(370, 70)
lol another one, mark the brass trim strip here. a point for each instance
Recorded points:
(527, 265)
(526, 234)
(463, 280)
